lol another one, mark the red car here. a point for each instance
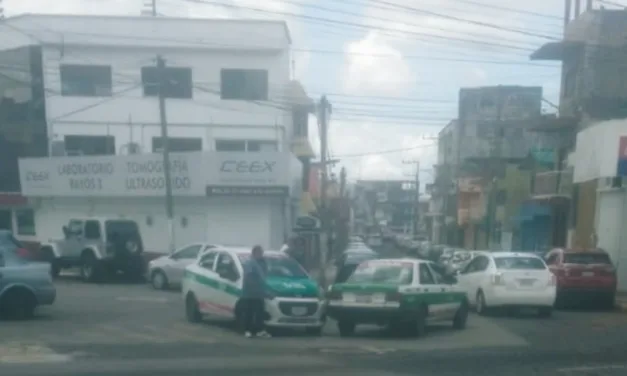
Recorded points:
(583, 276)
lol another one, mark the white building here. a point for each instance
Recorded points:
(596, 158)
(229, 91)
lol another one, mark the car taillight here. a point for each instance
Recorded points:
(23, 253)
(497, 279)
(394, 296)
(607, 271)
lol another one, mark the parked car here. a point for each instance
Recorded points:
(24, 284)
(168, 271)
(508, 279)
(583, 276)
(213, 284)
(395, 293)
(99, 246)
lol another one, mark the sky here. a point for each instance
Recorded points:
(392, 69)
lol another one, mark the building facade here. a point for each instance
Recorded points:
(227, 85)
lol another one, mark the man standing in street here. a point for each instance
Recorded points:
(254, 293)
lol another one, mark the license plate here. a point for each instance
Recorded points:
(588, 274)
(526, 282)
(299, 311)
(363, 299)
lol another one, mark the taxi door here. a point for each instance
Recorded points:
(434, 293)
(449, 301)
(201, 279)
(229, 286)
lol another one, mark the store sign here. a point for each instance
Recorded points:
(143, 174)
(217, 190)
(621, 168)
(251, 169)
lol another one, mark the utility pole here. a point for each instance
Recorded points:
(416, 202)
(495, 165)
(324, 110)
(154, 8)
(165, 145)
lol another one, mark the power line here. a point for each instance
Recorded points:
(360, 25)
(380, 152)
(507, 9)
(464, 20)
(339, 11)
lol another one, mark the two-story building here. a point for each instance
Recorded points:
(236, 122)
(591, 113)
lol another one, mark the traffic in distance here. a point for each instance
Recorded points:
(428, 284)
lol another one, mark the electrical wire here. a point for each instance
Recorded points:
(381, 152)
(463, 20)
(361, 25)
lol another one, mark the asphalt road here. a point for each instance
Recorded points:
(132, 330)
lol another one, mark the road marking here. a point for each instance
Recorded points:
(145, 299)
(20, 353)
(593, 368)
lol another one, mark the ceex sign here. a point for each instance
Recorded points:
(143, 175)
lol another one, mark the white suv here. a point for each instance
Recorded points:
(212, 287)
(508, 279)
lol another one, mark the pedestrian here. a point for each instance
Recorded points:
(254, 293)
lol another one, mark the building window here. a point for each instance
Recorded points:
(230, 145)
(244, 84)
(25, 219)
(6, 220)
(261, 146)
(177, 144)
(85, 80)
(89, 145)
(178, 82)
(246, 145)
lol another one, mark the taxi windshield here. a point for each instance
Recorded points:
(281, 266)
(397, 273)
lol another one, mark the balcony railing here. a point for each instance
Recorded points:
(553, 183)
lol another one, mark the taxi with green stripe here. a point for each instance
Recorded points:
(212, 288)
(403, 294)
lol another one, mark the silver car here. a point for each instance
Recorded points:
(168, 271)
(24, 284)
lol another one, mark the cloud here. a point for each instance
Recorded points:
(366, 72)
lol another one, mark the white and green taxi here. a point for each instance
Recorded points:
(212, 288)
(403, 294)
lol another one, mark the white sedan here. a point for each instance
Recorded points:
(508, 279)
(168, 271)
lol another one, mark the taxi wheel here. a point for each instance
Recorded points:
(346, 328)
(420, 324)
(480, 305)
(191, 309)
(316, 331)
(461, 317)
